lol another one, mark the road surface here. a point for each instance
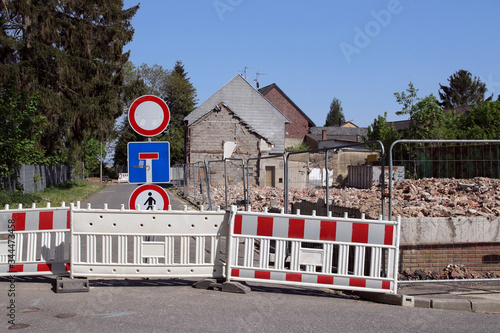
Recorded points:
(117, 194)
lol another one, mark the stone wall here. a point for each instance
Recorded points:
(433, 243)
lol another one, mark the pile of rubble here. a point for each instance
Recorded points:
(428, 197)
(449, 272)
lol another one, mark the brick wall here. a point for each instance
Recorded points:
(298, 128)
(480, 257)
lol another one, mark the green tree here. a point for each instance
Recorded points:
(180, 96)
(463, 90)
(91, 150)
(22, 128)
(176, 90)
(382, 131)
(336, 115)
(407, 100)
(427, 118)
(480, 122)
(71, 52)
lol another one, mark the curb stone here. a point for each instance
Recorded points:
(471, 305)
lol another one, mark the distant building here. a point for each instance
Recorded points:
(298, 127)
(333, 136)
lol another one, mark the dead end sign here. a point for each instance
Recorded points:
(149, 196)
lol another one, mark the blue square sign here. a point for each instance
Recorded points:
(148, 162)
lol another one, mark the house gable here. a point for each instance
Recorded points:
(300, 122)
(249, 105)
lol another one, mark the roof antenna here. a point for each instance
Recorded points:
(244, 72)
(257, 78)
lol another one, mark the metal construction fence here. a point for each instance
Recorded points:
(277, 181)
(445, 191)
(449, 200)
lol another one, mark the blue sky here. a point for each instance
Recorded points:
(360, 52)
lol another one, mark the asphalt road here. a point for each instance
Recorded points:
(174, 306)
(117, 194)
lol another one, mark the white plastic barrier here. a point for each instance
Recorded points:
(338, 253)
(133, 243)
(34, 241)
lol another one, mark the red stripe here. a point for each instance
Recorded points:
(67, 267)
(16, 268)
(296, 228)
(265, 226)
(386, 284)
(45, 220)
(238, 219)
(235, 272)
(262, 275)
(43, 267)
(360, 232)
(68, 223)
(149, 156)
(294, 277)
(389, 231)
(19, 221)
(328, 230)
(357, 283)
(325, 279)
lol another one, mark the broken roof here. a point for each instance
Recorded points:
(250, 106)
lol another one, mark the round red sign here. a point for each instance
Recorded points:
(149, 115)
(149, 196)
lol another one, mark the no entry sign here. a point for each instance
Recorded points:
(149, 115)
(147, 196)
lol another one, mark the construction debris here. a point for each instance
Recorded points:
(429, 197)
(449, 272)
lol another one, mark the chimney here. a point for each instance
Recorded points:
(323, 134)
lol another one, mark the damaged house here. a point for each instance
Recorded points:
(236, 122)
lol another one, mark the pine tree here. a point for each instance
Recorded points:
(180, 96)
(463, 90)
(336, 116)
(72, 54)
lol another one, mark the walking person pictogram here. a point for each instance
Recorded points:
(150, 201)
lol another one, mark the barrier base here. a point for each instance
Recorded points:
(67, 285)
(230, 287)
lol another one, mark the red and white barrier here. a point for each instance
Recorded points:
(34, 241)
(339, 253)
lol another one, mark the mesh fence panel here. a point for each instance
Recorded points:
(450, 204)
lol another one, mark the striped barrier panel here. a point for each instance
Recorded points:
(156, 244)
(34, 241)
(337, 253)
